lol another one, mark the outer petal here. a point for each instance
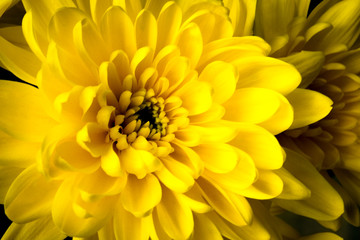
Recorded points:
(318, 205)
(30, 196)
(222, 77)
(174, 216)
(22, 114)
(127, 226)
(232, 207)
(8, 174)
(322, 236)
(205, 229)
(260, 106)
(266, 72)
(15, 152)
(308, 63)
(344, 16)
(267, 185)
(309, 106)
(75, 217)
(140, 196)
(42, 228)
(24, 67)
(261, 146)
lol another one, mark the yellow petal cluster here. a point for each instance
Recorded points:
(324, 47)
(149, 120)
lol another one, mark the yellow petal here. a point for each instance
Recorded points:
(232, 207)
(42, 228)
(22, 112)
(140, 196)
(146, 30)
(260, 145)
(89, 43)
(188, 157)
(169, 22)
(218, 158)
(114, 26)
(24, 67)
(34, 40)
(139, 162)
(242, 14)
(213, 23)
(309, 107)
(267, 185)
(317, 206)
(76, 217)
(15, 152)
(266, 72)
(260, 106)
(177, 224)
(175, 175)
(190, 43)
(110, 162)
(293, 188)
(127, 226)
(98, 8)
(308, 63)
(222, 77)
(29, 196)
(241, 177)
(345, 25)
(196, 97)
(322, 236)
(8, 174)
(231, 49)
(205, 229)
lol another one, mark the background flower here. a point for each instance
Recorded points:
(324, 49)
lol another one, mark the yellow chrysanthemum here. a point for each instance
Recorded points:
(149, 120)
(324, 48)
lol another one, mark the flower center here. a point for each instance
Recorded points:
(139, 114)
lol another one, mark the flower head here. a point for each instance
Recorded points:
(149, 120)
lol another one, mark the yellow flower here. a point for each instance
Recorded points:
(149, 120)
(324, 48)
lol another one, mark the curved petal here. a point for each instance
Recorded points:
(317, 205)
(30, 196)
(8, 174)
(218, 158)
(266, 72)
(127, 226)
(116, 24)
(232, 207)
(146, 30)
(178, 224)
(267, 185)
(42, 228)
(261, 146)
(222, 77)
(261, 106)
(76, 217)
(140, 196)
(22, 113)
(322, 236)
(25, 67)
(139, 162)
(309, 107)
(205, 229)
(14, 152)
(308, 63)
(175, 175)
